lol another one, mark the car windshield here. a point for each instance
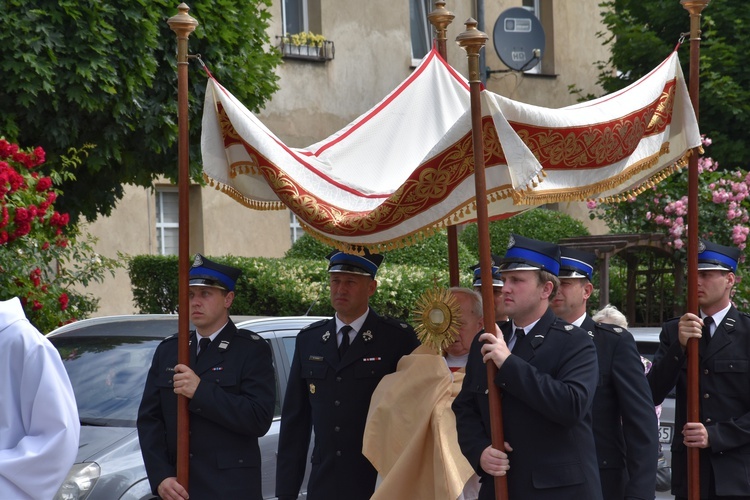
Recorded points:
(107, 374)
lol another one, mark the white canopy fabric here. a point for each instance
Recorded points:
(405, 168)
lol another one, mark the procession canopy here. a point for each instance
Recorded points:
(404, 169)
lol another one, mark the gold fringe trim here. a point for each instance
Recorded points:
(239, 197)
(528, 197)
(455, 217)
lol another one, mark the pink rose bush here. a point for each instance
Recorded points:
(723, 211)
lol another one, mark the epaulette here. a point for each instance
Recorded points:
(608, 327)
(564, 326)
(248, 334)
(316, 324)
(171, 337)
(403, 325)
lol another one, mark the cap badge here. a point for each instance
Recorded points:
(325, 336)
(511, 241)
(701, 246)
(198, 260)
(367, 336)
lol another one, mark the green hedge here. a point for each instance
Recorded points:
(538, 223)
(298, 283)
(283, 287)
(429, 252)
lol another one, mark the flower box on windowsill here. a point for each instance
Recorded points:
(317, 52)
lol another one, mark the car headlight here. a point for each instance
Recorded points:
(79, 483)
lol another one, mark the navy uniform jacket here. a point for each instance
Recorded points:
(332, 398)
(625, 427)
(724, 395)
(548, 386)
(232, 407)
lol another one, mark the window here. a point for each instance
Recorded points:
(533, 7)
(167, 221)
(294, 227)
(421, 29)
(301, 15)
(295, 16)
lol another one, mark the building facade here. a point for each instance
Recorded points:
(369, 48)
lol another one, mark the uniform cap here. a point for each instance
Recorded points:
(526, 254)
(713, 257)
(205, 272)
(576, 263)
(497, 279)
(365, 265)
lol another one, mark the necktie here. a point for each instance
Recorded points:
(203, 345)
(706, 333)
(519, 334)
(344, 345)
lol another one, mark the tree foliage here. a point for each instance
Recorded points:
(89, 72)
(641, 34)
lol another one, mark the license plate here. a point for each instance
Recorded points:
(665, 434)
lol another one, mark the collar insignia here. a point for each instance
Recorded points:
(568, 327)
(325, 337)
(223, 345)
(367, 336)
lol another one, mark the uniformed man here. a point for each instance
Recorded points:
(547, 371)
(625, 427)
(723, 433)
(232, 391)
(497, 288)
(336, 366)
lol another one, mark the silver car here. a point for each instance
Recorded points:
(107, 360)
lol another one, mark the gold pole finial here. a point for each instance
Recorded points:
(695, 6)
(440, 18)
(472, 40)
(183, 23)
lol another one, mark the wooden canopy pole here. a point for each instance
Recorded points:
(440, 18)
(472, 41)
(183, 24)
(694, 7)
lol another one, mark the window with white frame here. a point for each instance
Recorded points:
(294, 227)
(295, 15)
(301, 15)
(421, 29)
(167, 220)
(533, 7)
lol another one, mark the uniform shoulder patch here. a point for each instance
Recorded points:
(617, 330)
(248, 334)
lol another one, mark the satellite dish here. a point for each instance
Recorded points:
(519, 40)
